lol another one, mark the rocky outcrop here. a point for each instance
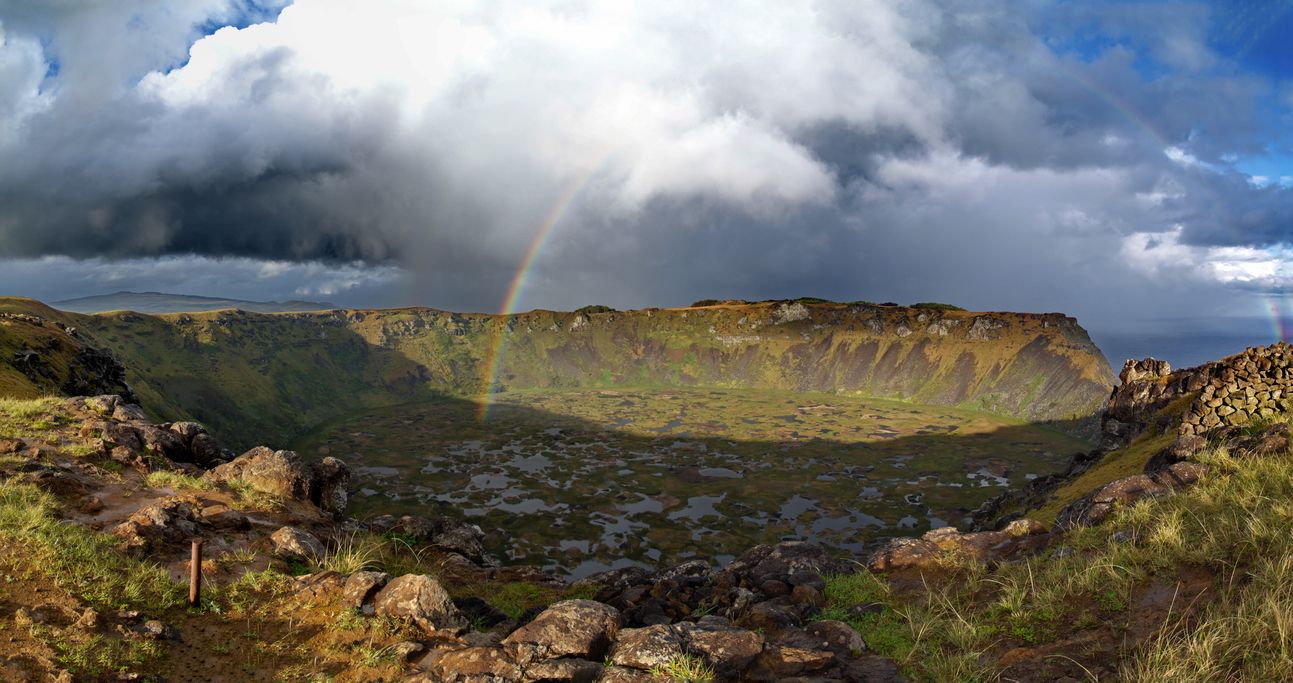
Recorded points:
(283, 474)
(421, 600)
(294, 544)
(580, 629)
(930, 551)
(443, 533)
(169, 521)
(1096, 506)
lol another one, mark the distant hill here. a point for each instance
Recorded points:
(158, 302)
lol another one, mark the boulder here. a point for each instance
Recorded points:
(320, 585)
(1097, 506)
(727, 650)
(1019, 536)
(644, 648)
(128, 412)
(582, 629)
(470, 664)
(420, 599)
(461, 538)
(804, 562)
(171, 520)
(619, 674)
(445, 534)
(563, 671)
(837, 636)
(223, 517)
(165, 443)
(206, 451)
(186, 430)
(294, 544)
(278, 473)
(784, 661)
(905, 553)
(360, 588)
(103, 405)
(330, 479)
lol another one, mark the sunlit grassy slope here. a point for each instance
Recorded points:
(1193, 587)
(253, 376)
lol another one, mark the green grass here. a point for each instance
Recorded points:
(82, 561)
(178, 481)
(354, 553)
(684, 668)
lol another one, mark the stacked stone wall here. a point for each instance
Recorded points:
(1253, 385)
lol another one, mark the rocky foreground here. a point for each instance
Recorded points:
(751, 620)
(433, 607)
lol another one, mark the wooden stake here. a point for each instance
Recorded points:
(195, 574)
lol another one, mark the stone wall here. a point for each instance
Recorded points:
(1253, 385)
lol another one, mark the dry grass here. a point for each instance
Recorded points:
(1234, 525)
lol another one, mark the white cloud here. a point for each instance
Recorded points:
(1269, 268)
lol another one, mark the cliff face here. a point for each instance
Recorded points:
(39, 356)
(243, 373)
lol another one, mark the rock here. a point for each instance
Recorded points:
(186, 430)
(422, 600)
(206, 451)
(728, 651)
(406, 650)
(224, 518)
(619, 674)
(361, 586)
(103, 405)
(572, 628)
(785, 662)
(92, 505)
(320, 585)
(779, 563)
(616, 580)
(158, 630)
(128, 412)
(125, 436)
(905, 553)
(989, 547)
(89, 620)
(471, 664)
(773, 615)
(838, 637)
(294, 544)
(11, 446)
(644, 648)
(461, 538)
(330, 479)
(158, 441)
(1097, 506)
(171, 520)
(278, 473)
(479, 614)
(445, 534)
(563, 671)
(807, 596)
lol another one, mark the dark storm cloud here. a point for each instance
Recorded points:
(860, 150)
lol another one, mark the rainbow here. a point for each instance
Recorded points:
(494, 351)
(1280, 324)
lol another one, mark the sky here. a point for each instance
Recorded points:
(1130, 164)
